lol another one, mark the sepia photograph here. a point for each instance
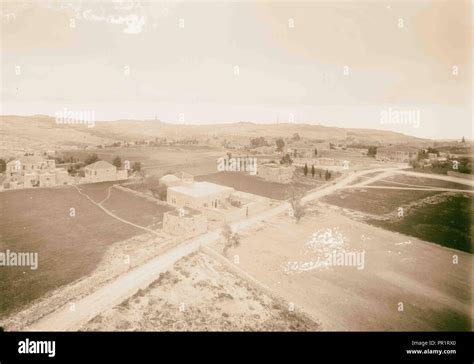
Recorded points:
(221, 167)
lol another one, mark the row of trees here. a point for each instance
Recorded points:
(327, 173)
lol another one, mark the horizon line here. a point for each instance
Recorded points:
(471, 137)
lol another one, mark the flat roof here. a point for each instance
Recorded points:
(200, 189)
(170, 178)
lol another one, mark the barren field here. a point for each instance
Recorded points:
(161, 160)
(258, 186)
(198, 294)
(289, 258)
(68, 247)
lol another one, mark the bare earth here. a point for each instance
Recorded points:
(198, 294)
(435, 293)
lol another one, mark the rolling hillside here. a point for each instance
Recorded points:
(41, 132)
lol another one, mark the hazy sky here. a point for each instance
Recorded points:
(347, 64)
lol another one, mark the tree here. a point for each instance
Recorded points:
(258, 142)
(231, 239)
(280, 145)
(297, 208)
(372, 151)
(463, 140)
(137, 167)
(286, 160)
(327, 176)
(296, 137)
(91, 158)
(313, 171)
(162, 193)
(315, 151)
(3, 166)
(117, 162)
(305, 169)
(415, 163)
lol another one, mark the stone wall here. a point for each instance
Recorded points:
(187, 225)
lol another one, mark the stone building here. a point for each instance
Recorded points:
(403, 153)
(102, 171)
(184, 222)
(198, 194)
(275, 172)
(34, 171)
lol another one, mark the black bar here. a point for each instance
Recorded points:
(299, 347)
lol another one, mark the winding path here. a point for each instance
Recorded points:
(110, 213)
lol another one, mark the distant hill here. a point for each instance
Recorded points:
(42, 132)
(136, 129)
(20, 133)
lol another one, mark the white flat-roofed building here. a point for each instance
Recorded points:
(199, 194)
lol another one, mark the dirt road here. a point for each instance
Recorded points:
(74, 315)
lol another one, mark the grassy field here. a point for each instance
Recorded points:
(448, 223)
(399, 180)
(375, 201)
(39, 221)
(258, 186)
(96, 191)
(135, 209)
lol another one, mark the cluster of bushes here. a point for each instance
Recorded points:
(464, 165)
